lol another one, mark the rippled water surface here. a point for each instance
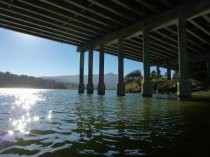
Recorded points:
(63, 123)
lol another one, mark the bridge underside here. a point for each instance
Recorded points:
(93, 24)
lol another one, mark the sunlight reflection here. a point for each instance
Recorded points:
(35, 118)
(24, 98)
(21, 125)
(49, 116)
(11, 132)
(21, 114)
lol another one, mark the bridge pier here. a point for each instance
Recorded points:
(168, 71)
(207, 72)
(158, 72)
(101, 85)
(146, 83)
(81, 74)
(120, 84)
(90, 86)
(184, 84)
(208, 69)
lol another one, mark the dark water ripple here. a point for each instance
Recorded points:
(62, 123)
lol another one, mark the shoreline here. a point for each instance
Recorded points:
(202, 93)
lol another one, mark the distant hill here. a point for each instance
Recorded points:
(9, 80)
(110, 79)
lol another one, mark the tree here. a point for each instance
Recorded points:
(134, 75)
(153, 75)
(176, 75)
(165, 76)
(11, 80)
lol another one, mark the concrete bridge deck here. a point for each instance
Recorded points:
(165, 33)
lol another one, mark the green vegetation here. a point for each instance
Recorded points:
(9, 80)
(160, 84)
(133, 81)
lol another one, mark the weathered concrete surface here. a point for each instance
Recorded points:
(90, 86)
(81, 74)
(184, 88)
(121, 84)
(101, 85)
(184, 84)
(146, 83)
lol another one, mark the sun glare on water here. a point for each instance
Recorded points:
(21, 116)
(26, 98)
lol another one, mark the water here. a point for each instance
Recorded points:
(62, 123)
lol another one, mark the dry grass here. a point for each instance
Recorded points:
(201, 94)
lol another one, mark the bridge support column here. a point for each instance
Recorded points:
(101, 85)
(168, 71)
(90, 86)
(121, 84)
(184, 84)
(81, 74)
(158, 72)
(208, 69)
(146, 83)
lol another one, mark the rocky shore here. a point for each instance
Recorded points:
(167, 87)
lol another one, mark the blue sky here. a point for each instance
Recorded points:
(30, 55)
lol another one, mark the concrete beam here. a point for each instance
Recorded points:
(194, 58)
(103, 5)
(23, 18)
(71, 10)
(189, 40)
(30, 26)
(140, 11)
(67, 24)
(148, 4)
(167, 3)
(85, 6)
(200, 27)
(187, 10)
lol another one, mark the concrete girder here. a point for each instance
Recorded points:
(150, 23)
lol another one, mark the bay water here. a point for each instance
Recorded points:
(63, 123)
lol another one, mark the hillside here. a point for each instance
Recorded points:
(9, 80)
(110, 79)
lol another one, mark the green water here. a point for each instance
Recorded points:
(64, 123)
